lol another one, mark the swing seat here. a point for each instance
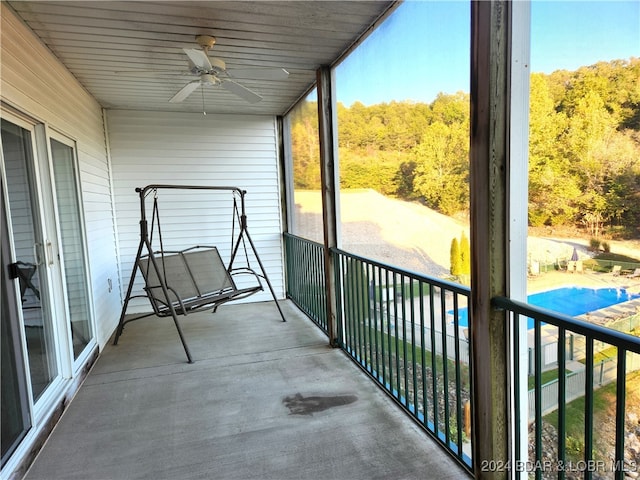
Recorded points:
(195, 279)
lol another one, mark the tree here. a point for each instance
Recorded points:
(305, 146)
(404, 179)
(454, 255)
(465, 255)
(442, 174)
(552, 192)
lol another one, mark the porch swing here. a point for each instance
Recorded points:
(178, 282)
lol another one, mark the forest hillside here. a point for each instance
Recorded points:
(584, 150)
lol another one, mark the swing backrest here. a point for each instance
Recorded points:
(189, 275)
(209, 273)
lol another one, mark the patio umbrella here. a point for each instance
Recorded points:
(574, 255)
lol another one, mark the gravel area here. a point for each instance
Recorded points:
(416, 238)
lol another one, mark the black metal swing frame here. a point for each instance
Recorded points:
(193, 279)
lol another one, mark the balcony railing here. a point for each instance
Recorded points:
(408, 332)
(580, 424)
(305, 278)
(401, 328)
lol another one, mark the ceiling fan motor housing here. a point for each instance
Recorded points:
(207, 78)
(206, 41)
(217, 67)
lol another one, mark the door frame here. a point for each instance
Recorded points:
(48, 222)
(75, 365)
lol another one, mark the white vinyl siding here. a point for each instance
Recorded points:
(35, 83)
(193, 149)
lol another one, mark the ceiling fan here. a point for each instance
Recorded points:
(213, 71)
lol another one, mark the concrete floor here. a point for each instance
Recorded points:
(264, 400)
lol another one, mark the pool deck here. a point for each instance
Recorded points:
(557, 279)
(605, 316)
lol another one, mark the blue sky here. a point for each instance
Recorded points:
(412, 57)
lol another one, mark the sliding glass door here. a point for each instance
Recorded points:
(67, 193)
(30, 249)
(46, 315)
(15, 421)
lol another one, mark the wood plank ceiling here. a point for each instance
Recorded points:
(129, 54)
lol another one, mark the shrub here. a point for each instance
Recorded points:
(456, 266)
(465, 255)
(606, 247)
(594, 244)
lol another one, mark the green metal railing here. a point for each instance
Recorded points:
(401, 328)
(305, 278)
(406, 331)
(574, 440)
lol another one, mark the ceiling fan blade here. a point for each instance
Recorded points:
(185, 91)
(198, 58)
(241, 91)
(260, 73)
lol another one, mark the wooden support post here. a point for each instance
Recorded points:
(330, 191)
(489, 189)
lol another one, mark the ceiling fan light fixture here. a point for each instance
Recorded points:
(207, 78)
(213, 71)
(206, 41)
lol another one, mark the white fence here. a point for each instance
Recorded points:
(603, 373)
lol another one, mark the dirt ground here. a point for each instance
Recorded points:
(416, 238)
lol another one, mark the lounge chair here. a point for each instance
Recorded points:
(579, 267)
(616, 270)
(635, 274)
(571, 266)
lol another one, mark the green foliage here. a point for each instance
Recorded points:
(404, 180)
(305, 146)
(465, 255)
(456, 267)
(362, 171)
(594, 244)
(584, 146)
(460, 258)
(442, 174)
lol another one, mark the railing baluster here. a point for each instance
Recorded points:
(413, 348)
(382, 329)
(362, 312)
(371, 303)
(456, 345)
(621, 392)
(390, 387)
(423, 357)
(434, 368)
(395, 331)
(562, 399)
(538, 398)
(375, 289)
(445, 366)
(403, 308)
(588, 407)
(516, 390)
(320, 299)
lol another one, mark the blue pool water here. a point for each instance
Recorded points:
(571, 301)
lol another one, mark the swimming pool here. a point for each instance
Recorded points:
(572, 301)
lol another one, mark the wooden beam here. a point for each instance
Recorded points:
(489, 189)
(330, 190)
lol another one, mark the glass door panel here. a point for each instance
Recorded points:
(15, 419)
(28, 241)
(71, 238)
